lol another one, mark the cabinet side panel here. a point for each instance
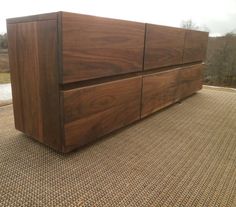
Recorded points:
(15, 76)
(33, 49)
(95, 47)
(28, 67)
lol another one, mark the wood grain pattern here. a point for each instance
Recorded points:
(33, 18)
(49, 82)
(164, 46)
(27, 57)
(93, 111)
(95, 47)
(159, 90)
(190, 80)
(195, 46)
(15, 77)
(76, 78)
(33, 58)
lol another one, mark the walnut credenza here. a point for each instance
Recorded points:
(76, 78)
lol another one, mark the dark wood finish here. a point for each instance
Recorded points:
(76, 78)
(28, 68)
(159, 90)
(49, 78)
(33, 18)
(33, 61)
(95, 47)
(164, 46)
(195, 46)
(93, 111)
(190, 80)
(15, 77)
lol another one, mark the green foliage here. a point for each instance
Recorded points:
(3, 41)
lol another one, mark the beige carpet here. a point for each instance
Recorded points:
(183, 156)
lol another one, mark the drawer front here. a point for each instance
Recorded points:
(195, 46)
(164, 46)
(95, 47)
(190, 80)
(159, 90)
(93, 111)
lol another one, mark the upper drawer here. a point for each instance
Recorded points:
(164, 46)
(195, 46)
(94, 47)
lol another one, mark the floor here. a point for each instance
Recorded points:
(183, 156)
(5, 94)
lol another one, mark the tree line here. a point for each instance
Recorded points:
(221, 61)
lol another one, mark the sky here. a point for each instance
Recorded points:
(219, 16)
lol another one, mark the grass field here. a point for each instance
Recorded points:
(4, 63)
(5, 78)
(4, 67)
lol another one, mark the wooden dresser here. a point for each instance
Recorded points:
(76, 78)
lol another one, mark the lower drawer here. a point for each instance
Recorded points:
(165, 88)
(190, 80)
(93, 111)
(159, 90)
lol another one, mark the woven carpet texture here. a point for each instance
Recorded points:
(182, 156)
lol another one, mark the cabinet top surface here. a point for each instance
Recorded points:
(56, 15)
